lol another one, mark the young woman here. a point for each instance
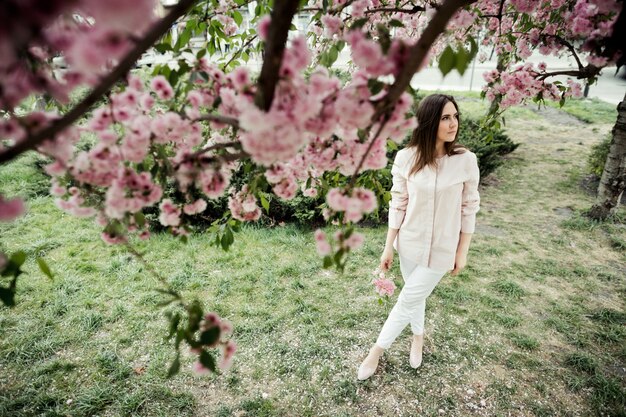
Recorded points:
(431, 220)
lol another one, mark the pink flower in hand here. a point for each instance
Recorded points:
(384, 287)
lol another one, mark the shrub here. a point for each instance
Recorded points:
(489, 144)
(597, 158)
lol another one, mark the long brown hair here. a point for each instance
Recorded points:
(424, 137)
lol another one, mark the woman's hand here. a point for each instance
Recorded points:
(459, 263)
(386, 259)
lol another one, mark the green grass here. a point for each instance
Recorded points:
(589, 110)
(533, 326)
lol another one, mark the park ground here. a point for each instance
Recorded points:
(535, 325)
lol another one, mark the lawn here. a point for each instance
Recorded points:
(535, 326)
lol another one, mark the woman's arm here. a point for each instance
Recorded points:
(469, 207)
(462, 249)
(397, 210)
(386, 258)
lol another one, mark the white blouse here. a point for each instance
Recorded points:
(433, 206)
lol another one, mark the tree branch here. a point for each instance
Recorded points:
(218, 118)
(239, 51)
(418, 53)
(568, 46)
(413, 10)
(584, 73)
(159, 28)
(281, 16)
(202, 151)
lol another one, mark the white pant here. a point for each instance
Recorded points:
(419, 282)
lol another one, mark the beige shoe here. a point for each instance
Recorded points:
(370, 363)
(415, 357)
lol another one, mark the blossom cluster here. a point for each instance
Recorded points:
(90, 33)
(344, 241)
(10, 209)
(513, 88)
(227, 346)
(361, 201)
(383, 286)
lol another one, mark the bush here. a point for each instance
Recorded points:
(597, 158)
(489, 144)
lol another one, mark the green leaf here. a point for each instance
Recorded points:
(237, 17)
(338, 255)
(473, 47)
(265, 204)
(325, 6)
(340, 45)
(184, 37)
(211, 336)
(140, 219)
(447, 60)
(163, 47)
(359, 23)
(227, 239)
(174, 321)
(44, 268)
(18, 258)
(396, 23)
(333, 54)
(174, 367)
(328, 261)
(462, 60)
(375, 86)
(207, 360)
(7, 295)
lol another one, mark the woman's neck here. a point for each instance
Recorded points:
(440, 150)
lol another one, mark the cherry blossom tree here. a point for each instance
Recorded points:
(202, 115)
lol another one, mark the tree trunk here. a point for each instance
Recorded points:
(613, 181)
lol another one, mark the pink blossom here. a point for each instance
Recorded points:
(264, 27)
(197, 207)
(384, 287)
(360, 202)
(10, 209)
(322, 245)
(170, 213)
(310, 192)
(226, 328)
(355, 241)
(195, 98)
(332, 24)
(121, 14)
(243, 207)
(228, 351)
(112, 239)
(240, 78)
(162, 87)
(213, 182)
(286, 189)
(210, 320)
(200, 369)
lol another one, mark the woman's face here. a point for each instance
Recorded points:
(448, 124)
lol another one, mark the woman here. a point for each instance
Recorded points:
(432, 214)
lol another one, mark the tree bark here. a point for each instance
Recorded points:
(613, 181)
